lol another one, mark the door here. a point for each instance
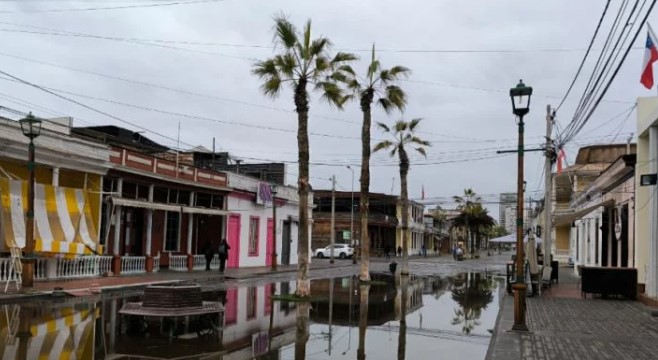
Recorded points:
(234, 241)
(231, 307)
(285, 243)
(269, 245)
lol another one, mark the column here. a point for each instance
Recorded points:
(51, 263)
(149, 232)
(610, 237)
(190, 232)
(116, 242)
(652, 275)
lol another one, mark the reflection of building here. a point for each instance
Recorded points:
(346, 300)
(416, 285)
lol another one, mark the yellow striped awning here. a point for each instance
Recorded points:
(62, 218)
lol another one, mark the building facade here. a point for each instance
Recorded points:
(415, 235)
(507, 201)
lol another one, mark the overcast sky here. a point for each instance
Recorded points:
(462, 96)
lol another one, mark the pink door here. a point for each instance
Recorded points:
(269, 246)
(233, 241)
(231, 307)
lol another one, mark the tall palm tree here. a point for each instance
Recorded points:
(466, 205)
(378, 85)
(403, 134)
(301, 63)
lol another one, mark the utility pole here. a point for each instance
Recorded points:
(274, 262)
(548, 187)
(333, 219)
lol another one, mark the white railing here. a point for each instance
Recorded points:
(214, 264)
(5, 269)
(104, 264)
(156, 263)
(40, 272)
(178, 262)
(86, 266)
(199, 262)
(133, 264)
(562, 252)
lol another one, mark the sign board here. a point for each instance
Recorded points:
(346, 234)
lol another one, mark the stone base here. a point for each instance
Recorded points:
(149, 264)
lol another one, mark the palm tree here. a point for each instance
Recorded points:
(472, 299)
(403, 135)
(477, 220)
(302, 62)
(466, 204)
(380, 85)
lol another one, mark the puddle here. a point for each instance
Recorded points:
(417, 317)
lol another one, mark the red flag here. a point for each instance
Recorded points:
(650, 56)
(560, 157)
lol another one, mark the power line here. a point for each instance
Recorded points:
(122, 7)
(589, 47)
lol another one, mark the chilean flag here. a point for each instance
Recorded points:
(650, 56)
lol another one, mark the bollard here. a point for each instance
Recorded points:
(392, 267)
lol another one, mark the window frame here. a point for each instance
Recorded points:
(252, 302)
(254, 235)
(166, 232)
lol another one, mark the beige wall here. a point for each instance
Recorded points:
(562, 237)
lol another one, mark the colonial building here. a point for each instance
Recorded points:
(382, 220)
(416, 227)
(68, 174)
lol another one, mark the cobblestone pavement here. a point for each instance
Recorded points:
(574, 328)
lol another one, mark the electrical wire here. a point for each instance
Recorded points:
(122, 7)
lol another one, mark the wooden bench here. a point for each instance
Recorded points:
(609, 281)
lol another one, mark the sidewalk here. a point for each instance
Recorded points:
(164, 276)
(564, 326)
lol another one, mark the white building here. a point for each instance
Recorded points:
(250, 221)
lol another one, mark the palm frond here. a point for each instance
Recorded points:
(342, 58)
(419, 141)
(396, 97)
(271, 87)
(397, 72)
(385, 104)
(400, 126)
(319, 47)
(322, 65)
(286, 64)
(354, 85)
(264, 69)
(346, 69)
(395, 150)
(383, 127)
(307, 41)
(413, 123)
(285, 33)
(422, 151)
(382, 145)
(373, 68)
(331, 93)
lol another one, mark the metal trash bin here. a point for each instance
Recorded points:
(554, 271)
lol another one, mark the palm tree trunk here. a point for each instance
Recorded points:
(301, 103)
(366, 100)
(404, 170)
(302, 330)
(402, 335)
(364, 288)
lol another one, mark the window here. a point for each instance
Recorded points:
(253, 235)
(251, 302)
(172, 231)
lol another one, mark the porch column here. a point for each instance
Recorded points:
(149, 232)
(51, 263)
(652, 275)
(611, 230)
(190, 228)
(116, 260)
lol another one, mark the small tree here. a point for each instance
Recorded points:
(403, 136)
(301, 63)
(466, 204)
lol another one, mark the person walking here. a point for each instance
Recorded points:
(424, 250)
(209, 253)
(399, 251)
(387, 252)
(222, 250)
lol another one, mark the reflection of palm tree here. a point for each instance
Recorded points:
(472, 298)
(402, 335)
(364, 289)
(302, 332)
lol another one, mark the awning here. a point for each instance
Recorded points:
(204, 211)
(569, 218)
(143, 204)
(62, 218)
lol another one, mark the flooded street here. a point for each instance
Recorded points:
(416, 317)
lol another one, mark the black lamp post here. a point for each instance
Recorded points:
(31, 127)
(520, 96)
(274, 264)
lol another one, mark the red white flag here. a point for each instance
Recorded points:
(560, 158)
(650, 56)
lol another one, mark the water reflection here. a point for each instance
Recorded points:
(473, 292)
(429, 315)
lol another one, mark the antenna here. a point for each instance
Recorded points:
(392, 185)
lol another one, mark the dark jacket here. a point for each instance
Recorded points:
(223, 255)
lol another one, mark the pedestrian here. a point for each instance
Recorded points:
(399, 251)
(210, 253)
(424, 250)
(222, 250)
(387, 252)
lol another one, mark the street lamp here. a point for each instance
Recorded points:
(520, 96)
(352, 216)
(273, 190)
(31, 127)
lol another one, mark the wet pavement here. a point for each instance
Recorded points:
(445, 307)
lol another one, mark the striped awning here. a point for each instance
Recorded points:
(62, 218)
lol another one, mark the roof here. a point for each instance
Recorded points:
(115, 135)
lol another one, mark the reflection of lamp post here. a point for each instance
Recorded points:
(274, 265)
(31, 127)
(520, 96)
(352, 217)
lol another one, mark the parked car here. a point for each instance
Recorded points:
(342, 251)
